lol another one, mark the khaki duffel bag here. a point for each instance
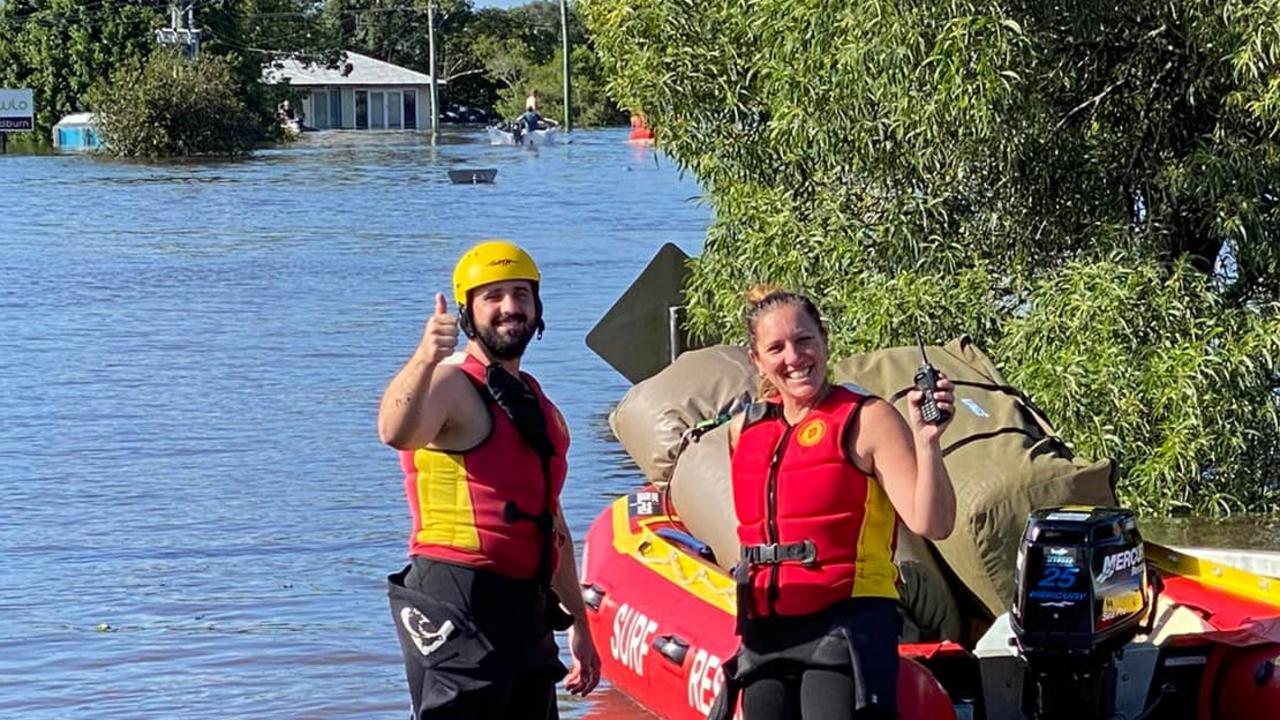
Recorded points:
(655, 413)
(1003, 456)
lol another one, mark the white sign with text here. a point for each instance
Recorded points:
(17, 110)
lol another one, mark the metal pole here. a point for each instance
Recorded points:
(431, 44)
(568, 87)
(673, 331)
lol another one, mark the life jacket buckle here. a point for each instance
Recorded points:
(806, 553)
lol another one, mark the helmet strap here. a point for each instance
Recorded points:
(466, 322)
(537, 304)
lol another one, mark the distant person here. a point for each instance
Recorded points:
(533, 120)
(484, 457)
(821, 474)
(531, 102)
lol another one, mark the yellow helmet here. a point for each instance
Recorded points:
(489, 262)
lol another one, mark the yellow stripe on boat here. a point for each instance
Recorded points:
(712, 586)
(1215, 574)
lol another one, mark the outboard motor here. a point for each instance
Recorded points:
(1082, 591)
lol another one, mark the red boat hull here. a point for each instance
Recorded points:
(663, 621)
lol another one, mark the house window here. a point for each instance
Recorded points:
(362, 109)
(377, 111)
(411, 109)
(320, 109)
(335, 108)
(394, 109)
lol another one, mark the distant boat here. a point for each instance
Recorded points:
(514, 135)
(473, 176)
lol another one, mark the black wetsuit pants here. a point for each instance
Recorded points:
(808, 693)
(524, 698)
(476, 645)
(839, 664)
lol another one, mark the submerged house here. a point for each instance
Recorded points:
(77, 131)
(361, 93)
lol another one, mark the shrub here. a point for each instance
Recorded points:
(170, 107)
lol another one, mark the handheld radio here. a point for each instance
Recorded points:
(927, 380)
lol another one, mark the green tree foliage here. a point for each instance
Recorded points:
(250, 33)
(489, 57)
(537, 24)
(530, 56)
(591, 103)
(171, 107)
(60, 48)
(392, 30)
(1090, 189)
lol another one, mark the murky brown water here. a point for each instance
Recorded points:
(1243, 531)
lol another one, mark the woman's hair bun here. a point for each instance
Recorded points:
(758, 292)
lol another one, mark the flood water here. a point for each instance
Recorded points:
(197, 515)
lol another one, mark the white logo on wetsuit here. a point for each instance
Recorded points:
(419, 628)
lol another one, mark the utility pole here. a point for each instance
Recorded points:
(179, 34)
(431, 46)
(564, 40)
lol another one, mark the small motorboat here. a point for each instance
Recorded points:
(515, 134)
(473, 176)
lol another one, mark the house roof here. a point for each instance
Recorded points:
(365, 72)
(81, 118)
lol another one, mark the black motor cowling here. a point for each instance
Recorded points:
(1082, 591)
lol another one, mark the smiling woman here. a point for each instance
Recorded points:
(812, 466)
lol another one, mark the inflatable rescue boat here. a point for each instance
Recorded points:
(1181, 637)
(1044, 603)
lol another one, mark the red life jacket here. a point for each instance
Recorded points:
(459, 500)
(793, 484)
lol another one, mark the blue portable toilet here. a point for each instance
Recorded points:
(76, 132)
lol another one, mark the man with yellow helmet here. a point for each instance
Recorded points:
(491, 560)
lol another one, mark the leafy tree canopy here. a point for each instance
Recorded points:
(170, 107)
(1090, 189)
(60, 48)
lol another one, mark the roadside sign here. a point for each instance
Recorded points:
(17, 110)
(641, 333)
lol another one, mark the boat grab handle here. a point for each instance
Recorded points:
(671, 647)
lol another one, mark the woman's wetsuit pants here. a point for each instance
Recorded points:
(838, 664)
(809, 693)
(475, 644)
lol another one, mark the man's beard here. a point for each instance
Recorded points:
(506, 347)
